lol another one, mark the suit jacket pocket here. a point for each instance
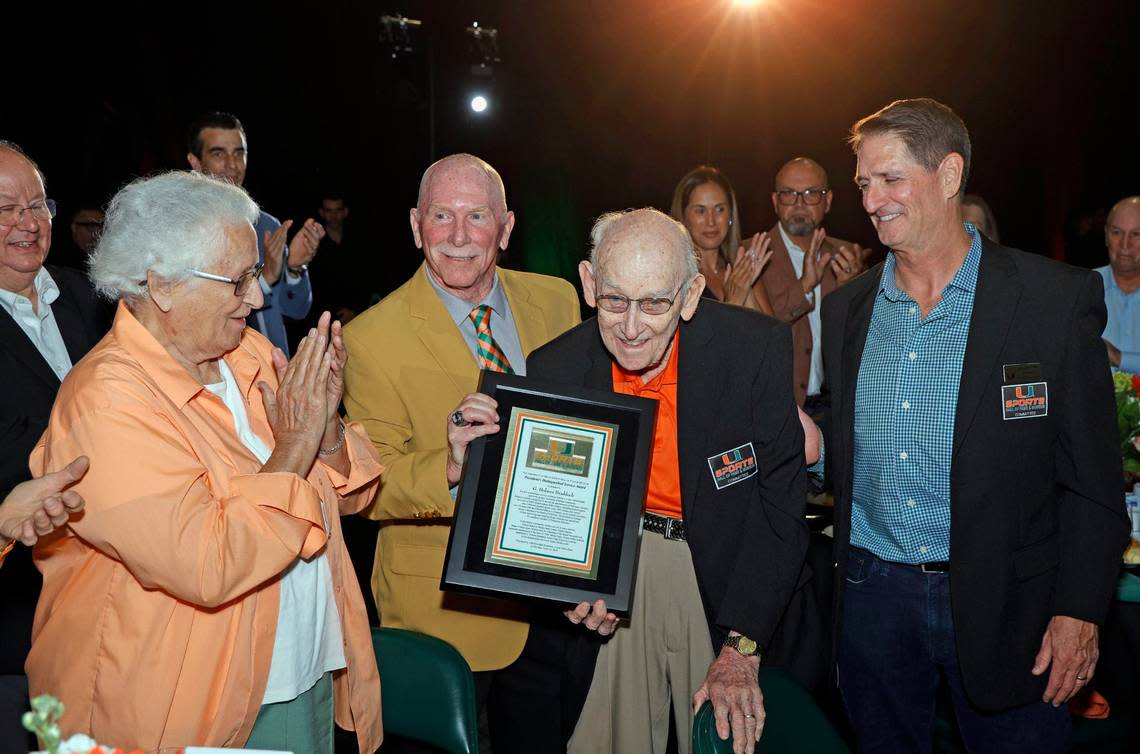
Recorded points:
(1036, 559)
(418, 560)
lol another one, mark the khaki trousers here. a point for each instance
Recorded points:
(656, 660)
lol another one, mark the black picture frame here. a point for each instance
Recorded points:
(467, 567)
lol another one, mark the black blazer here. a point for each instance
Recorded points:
(29, 390)
(734, 386)
(1037, 520)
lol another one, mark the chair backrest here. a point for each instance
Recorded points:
(793, 722)
(428, 690)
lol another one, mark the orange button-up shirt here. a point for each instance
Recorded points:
(664, 495)
(159, 606)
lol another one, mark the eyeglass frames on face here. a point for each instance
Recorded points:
(12, 214)
(811, 196)
(618, 304)
(240, 283)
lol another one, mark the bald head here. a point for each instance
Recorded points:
(644, 232)
(1128, 204)
(642, 276)
(802, 166)
(1122, 237)
(801, 198)
(459, 164)
(12, 149)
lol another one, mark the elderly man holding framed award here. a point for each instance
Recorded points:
(723, 486)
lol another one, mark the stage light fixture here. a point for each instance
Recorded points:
(479, 103)
(396, 34)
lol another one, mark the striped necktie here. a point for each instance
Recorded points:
(490, 355)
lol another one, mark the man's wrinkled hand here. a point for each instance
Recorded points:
(594, 617)
(40, 506)
(733, 688)
(475, 416)
(1070, 647)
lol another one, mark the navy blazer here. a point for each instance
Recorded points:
(29, 391)
(734, 387)
(1037, 519)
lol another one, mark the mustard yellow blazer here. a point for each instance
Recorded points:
(408, 368)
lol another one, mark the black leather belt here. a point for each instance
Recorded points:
(670, 528)
(935, 566)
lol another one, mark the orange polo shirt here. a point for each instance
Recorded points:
(159, 607)
(664, 495)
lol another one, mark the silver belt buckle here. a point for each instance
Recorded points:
(670, 524)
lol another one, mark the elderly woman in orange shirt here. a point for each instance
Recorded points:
(204, 596)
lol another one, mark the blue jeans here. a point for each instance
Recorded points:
(896, 639)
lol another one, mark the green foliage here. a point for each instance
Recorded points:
(1127, 387)
(43, 720)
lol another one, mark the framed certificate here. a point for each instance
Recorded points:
(549, 507)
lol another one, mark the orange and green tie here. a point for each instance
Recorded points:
(490, 355)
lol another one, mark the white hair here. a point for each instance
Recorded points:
(610, 222)
(167, 224)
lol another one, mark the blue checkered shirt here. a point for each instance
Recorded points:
(905, 400)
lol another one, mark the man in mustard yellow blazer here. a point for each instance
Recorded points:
(412, 359)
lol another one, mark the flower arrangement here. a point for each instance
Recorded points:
(43, 720)
(1127, 388)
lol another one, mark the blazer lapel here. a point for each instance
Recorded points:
(72, 325)
(600, 372)
(431, 323)
(695, 393)
(854, 339)
(995, 301)
(530, 322)
(16, 341)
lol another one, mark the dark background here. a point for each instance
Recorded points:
(595, 105)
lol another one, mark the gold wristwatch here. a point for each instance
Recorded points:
(743, 645)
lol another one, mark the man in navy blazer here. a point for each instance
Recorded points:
(725, 535)
(979, 519)
(48, 321)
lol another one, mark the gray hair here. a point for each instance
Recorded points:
(607, 224)
(464, 160)
(167, 224)
(929, 129)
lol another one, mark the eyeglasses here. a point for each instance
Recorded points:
(812, 197)
(240, 283)
(616, 304)
(12, 214)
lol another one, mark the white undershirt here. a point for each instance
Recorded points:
(815, 375)
(308, 641)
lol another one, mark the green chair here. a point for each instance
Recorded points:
(428, 692)
(793, 722)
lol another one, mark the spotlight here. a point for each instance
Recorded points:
(479, 103)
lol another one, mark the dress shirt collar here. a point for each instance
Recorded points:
(789, 244)
(460, 310)
(174, 381)
(46, 293)
(966, 279)
(667, 377)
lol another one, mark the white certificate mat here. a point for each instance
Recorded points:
(550, 502)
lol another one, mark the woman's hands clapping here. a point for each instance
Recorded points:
(304, 408)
